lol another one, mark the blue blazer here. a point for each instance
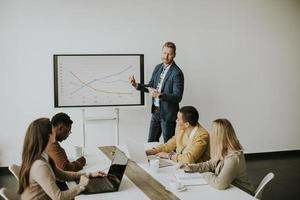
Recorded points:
(171, 91)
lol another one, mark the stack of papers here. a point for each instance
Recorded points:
(190, 178)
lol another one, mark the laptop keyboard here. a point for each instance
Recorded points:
(98, 185)
(162, 162)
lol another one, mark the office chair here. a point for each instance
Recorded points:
(6, 194)
(15, 169)
(263, 183)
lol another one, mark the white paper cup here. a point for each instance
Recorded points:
(175, 185)
(78, 151)
(154, 165)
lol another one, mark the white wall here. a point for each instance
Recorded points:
(240, 59)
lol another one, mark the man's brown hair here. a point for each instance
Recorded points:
(170, 45)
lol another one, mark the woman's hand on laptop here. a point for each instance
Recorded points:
(189, 168)
(84, 180)
(97, 174)
(151, 152)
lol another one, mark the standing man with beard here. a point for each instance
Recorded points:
(166, 89)
(62, 125)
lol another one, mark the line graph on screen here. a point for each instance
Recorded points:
(97, 80)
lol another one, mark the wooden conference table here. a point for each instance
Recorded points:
(140, 183)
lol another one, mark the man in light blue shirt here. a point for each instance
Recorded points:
(166, 89)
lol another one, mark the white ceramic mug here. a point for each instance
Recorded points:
(154, 164)
(78, 151)
(175, 185)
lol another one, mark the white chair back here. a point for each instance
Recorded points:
(263, 183)
(15, 169)
(6, 194)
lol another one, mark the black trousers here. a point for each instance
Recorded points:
(159, 126)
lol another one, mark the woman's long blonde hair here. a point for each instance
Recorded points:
(223, 139)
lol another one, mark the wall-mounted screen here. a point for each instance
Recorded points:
(88, 80)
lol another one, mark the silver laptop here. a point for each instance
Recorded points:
(138, 154)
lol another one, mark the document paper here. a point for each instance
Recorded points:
(190, 178)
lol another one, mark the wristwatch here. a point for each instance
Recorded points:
(171, 154)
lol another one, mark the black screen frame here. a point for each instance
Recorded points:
(56, 93)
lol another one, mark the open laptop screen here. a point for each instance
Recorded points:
(118, 165)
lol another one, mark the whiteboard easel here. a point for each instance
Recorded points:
(85, 120)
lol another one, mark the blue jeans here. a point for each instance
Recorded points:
(158, 126)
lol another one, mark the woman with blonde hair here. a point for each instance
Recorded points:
(227, 164)
(38, 173)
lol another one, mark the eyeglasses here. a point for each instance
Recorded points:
(67, 129)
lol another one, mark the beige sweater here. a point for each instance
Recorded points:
(42, 183)
(231, 170)
(188, 149)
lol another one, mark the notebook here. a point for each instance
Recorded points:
(112, 181)
(137, 153)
